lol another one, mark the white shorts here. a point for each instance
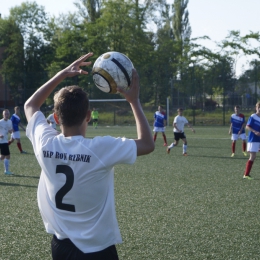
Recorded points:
(253, 147)
(159, 129)
(235, 137)
(16, 135)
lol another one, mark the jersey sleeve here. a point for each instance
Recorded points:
(10, 126)
(116, 150)
(249, 121)
(39, 131)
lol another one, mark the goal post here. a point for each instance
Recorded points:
(115, 107)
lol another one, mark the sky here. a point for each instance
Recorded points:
(214, 18)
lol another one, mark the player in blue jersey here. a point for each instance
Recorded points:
(253, 145)
(237, 129)
(159, 124)
(16, 121)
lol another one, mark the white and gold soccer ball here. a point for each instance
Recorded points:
(111, 70)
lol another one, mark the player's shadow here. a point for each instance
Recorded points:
(16, 185)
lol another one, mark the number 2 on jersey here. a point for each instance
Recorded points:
(65, 169)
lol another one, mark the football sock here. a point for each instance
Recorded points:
(249, 165)
(244, 146)
(184, 148)
(164, 138)
(233, 147)
(6, 164)
(154, 137)
(19, 147)
(171, 146)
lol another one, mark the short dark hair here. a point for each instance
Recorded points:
(180, 109)
(71, 105)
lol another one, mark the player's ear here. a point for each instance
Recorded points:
(88, 118)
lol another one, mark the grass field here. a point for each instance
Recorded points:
(168, 206)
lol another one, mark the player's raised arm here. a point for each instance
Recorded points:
(34, 103)
(144, 141)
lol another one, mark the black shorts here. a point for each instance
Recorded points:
(95, 120)
(66, 250)
(4, 149)
(178, 136)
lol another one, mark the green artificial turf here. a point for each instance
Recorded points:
(168, 206)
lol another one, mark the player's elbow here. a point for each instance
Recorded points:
(144, 148)
(150, 147)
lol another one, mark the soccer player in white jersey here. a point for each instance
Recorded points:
(76, 187)
(5, 128)
(159, 124)
(253, 144)
(237, 129)
(178, 129)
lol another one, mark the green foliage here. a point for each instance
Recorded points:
(12, 63)
(38, 46)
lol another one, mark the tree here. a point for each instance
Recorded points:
(32, 21)
(13, 57)
(181, 25)
(89, 9)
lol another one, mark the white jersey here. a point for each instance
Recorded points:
(5, 126)
(180, 123)
(52, 121)
(76, 187)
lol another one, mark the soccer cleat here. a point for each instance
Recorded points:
(168, 150)
(165, 144)
(8, 173)
(23, 152)
(185, 154)
(232, 155)
(245, 154)
(248, 177)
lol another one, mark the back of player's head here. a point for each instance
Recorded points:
(16, 108)
(71, 105)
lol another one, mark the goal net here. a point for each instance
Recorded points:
(113, 111)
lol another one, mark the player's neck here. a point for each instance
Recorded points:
(74, 130)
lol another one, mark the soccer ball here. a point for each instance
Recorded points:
(111, 70)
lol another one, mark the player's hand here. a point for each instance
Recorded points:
(131, 94)
(74, 68)
(193, 131)
(257, 133)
